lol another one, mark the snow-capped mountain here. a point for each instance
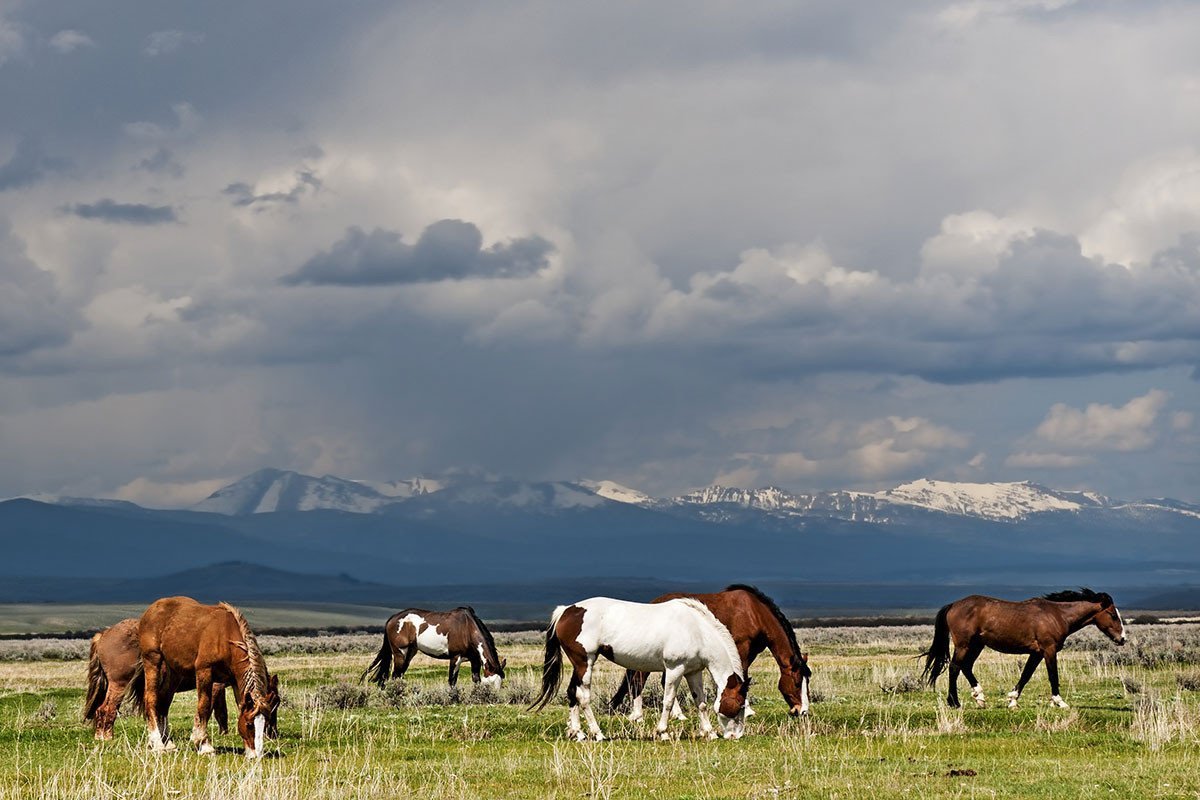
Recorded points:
(1001, 501)
(611, 490)
(269, 490)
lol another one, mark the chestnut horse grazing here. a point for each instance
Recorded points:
(112, 665)
(185, 643)
(680, 637)
(458, 634)
(756, 624)
(1037, 626)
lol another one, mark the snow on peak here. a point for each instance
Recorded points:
(768, 498)
(271, 490)
(611, 490)
(1006, 501)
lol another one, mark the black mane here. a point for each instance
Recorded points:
(487, 635)
(769, 603)
(1075, 595)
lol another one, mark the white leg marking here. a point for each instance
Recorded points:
(977, 693)
(1013, 696)
(1058, 701)
(635, 713)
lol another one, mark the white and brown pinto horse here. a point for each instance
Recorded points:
(679, 637)
(1037, 626)
(185, 643)
(455, 635)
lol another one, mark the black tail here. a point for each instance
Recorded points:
(551, 664)
(938, 654)
(622, 691)
(97, 682)
(135, 692)
(378, 671)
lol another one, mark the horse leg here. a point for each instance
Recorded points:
(968, 671)
(220, 711)
(204, 702)
(671, 680)
(696, 684)
(454, 664)
(166, 696)
(106, 715)
(676, 709)
(952, 694)
(637, 682)
(1026, 674)
(584, 694)
(579, 667)
(1052, 673)
(152, 666)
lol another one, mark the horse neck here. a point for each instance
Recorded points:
(1078, 613)
(778, 641)
(721, 662)
(478, 640)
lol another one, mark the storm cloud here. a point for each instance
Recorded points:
(446, 250)
(108, 210)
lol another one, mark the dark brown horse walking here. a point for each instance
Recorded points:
(112, 665)
(756, 624)
(456, 635)
(1037, 626)
(184, 643)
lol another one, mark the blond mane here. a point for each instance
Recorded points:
(722, 632)
(255, 678)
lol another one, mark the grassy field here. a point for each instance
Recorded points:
(1133, 731)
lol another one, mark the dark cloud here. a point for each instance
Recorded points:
(243, 194)
(161, 162)
(447, 250)
(108, 210)
(32, 314)
(28, 165)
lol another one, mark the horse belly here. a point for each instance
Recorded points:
(432, 643)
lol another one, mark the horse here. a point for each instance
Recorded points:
(112, 665)
(680, 637)
(183, 643)
(756, 623)
(455, 635)
(1037, 626)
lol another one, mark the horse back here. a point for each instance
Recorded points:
(1006, 625)
(117, 649)
(187, 633)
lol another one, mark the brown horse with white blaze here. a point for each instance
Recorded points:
(112, 666)
(457, 635)
(1037, 627)
(183, 642)
(757, 624)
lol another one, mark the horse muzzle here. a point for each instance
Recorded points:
(797, 711)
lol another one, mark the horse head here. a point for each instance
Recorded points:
(256, 714)
(493, 672)
(1109, 621)
(793, 685)
(731, 707)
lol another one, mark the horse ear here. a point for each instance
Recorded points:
(804, 657)
(273, 683)
(503, 663)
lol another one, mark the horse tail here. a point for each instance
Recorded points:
(97, 681)
(551, 664)
(622, 691)
(378, 671)
(135, 692)
(938, 654)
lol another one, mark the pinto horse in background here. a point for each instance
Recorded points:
(1037, 626)
(756, 624)
(112, 665)
(185, 643)
(456, 635)
(680, 637)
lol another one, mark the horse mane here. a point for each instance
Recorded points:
(774, 609)
(1080, 594)
(487, 635)
(255, 677)
(723, 633)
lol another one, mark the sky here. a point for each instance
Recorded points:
(815, 245)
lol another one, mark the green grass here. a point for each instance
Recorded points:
(862, 741)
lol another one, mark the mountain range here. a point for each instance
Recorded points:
(909, 545)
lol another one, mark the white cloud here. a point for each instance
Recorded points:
(163, 42)
(1103, 427)
(1029, 460)
(12, 41)
(66, 41)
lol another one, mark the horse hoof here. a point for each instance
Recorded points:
(980, 702)
(169, 747)
(598, 736)
(635, 717)
(206, 749)
(664, 736)
(1059, 702)
(1012, 703)
(712, 735)
(580, 736)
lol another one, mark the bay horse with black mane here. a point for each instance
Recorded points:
(112, 665)
(185, 643)
(456, 635)
(756, 624)
(1037, 627)
(680, 637)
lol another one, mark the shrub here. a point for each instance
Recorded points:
(343, 695)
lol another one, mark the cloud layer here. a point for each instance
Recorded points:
(818, 245)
